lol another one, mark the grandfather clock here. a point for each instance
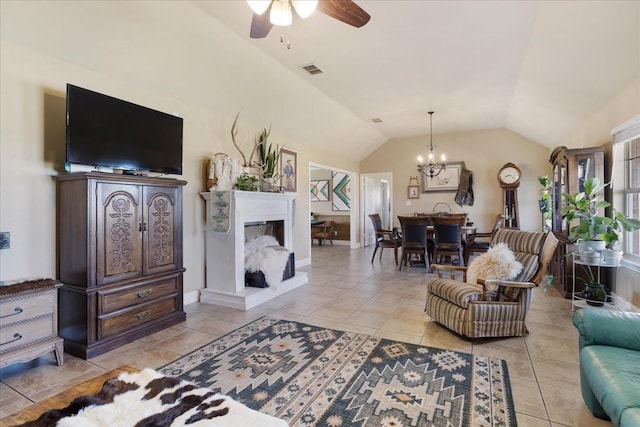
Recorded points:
(509, 179)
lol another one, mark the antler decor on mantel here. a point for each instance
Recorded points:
(234, 133)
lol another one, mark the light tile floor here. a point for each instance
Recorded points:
(346, 291)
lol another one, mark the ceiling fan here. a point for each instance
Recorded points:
(267, 13)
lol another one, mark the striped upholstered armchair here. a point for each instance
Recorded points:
(492, 308)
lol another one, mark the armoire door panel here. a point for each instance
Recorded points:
(119, 233)
(160, 229)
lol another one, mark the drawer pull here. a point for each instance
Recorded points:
(144, 293)
(16, 311)
(16, 337)
(143, 315)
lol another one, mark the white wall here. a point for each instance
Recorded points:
(484, 152)
(164, 55)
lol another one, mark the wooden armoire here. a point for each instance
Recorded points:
(119, 258)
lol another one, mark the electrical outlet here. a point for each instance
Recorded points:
(5, 240)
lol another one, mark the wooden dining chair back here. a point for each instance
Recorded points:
(322, 232)
(481, 242)
(414, 240)
(447, 236)
(384, 238)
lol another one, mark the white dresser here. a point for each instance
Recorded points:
(29, 320)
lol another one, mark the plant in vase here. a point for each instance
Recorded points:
(590, 226)
(269, 160)
(246, 182)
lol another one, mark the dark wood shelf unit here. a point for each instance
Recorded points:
(119, 259)
(570, 168)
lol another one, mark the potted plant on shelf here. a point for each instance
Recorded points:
(246, 182)
(594, 232)
(269, 159)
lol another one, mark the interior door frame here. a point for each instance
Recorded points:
(354, 228)
(387, 176)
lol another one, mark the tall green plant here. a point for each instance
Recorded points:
(583, 206)
(269, 157)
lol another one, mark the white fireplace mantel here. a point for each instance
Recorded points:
(225, 282)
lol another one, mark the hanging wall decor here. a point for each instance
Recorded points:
(341, 191)
(319, 190)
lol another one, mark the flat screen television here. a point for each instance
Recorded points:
(103, 131)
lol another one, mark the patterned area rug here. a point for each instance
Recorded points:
(314, 376)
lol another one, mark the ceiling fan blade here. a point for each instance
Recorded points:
(344, 10)
(260, 25)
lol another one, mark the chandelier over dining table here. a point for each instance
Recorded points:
(431, 168)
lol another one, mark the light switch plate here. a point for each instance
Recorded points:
(5, 240)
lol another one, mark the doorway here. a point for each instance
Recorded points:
(376, 198)
(334, 196)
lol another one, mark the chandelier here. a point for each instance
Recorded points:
(280, 14)
(431, 168)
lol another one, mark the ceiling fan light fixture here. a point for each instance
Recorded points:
(304, 8)
(259, 6)
(281, 13)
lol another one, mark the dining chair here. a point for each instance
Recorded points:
(384, 238)
(322, 232)
(447, 236)
(414, 240)
(481, 242)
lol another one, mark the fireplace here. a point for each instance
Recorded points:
(225, 280)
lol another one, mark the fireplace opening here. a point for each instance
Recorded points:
(265, 228)
(256, 277)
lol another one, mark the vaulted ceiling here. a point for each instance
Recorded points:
(538, 68)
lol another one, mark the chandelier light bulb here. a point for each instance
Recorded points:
(420, 159)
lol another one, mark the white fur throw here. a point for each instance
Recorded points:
(264, 254)
(498, 262)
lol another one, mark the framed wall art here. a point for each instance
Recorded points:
(341, 191)
(319, 190)
(447, 180)
(413, 191)
(289, 170)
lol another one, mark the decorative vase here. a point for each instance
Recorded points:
(270, 184)
(595, 294)
(610, 257)
(591, 245)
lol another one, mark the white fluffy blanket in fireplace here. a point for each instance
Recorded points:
(265, 254)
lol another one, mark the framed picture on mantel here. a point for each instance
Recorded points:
(289, 170)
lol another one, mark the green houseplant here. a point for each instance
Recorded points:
(246, 182)
(269, 161)
(583, 206)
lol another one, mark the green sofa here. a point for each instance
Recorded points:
(610, 364)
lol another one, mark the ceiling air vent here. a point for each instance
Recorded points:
(311, 69)
(376, 120)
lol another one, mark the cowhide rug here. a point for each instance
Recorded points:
(148, 399)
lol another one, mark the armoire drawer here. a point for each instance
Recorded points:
(113, 300)
(135, 317)
(25, 306)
